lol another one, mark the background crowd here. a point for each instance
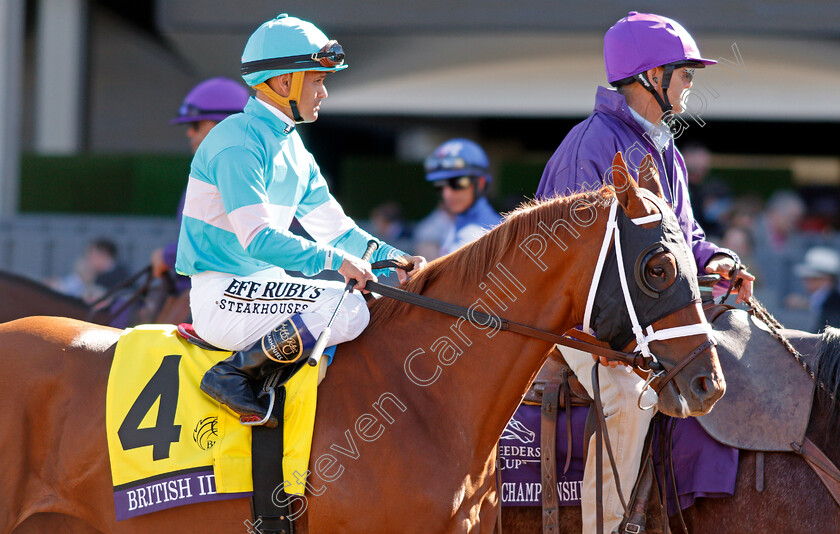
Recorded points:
(789, 244)
(789, 241)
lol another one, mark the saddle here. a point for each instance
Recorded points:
(555, 369)
(761, 411)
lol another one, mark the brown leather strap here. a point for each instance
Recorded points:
(713, 311)
(632, 359)
(759, 471)
(822, 466)
(636, 521)
(499, 487)
(567, 402)
(548, 448)
(672, 372)
(602, 440)
(734, 283)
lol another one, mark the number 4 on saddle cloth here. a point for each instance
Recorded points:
(170, 444)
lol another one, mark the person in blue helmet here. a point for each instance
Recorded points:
(249, 178)
(460, 171)
(205, 106)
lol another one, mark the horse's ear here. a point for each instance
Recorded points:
(626, 191)
(649, 177)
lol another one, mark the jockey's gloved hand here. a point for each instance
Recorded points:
(353, 268)
(418, 262)
(725, 266)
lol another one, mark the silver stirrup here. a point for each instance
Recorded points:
(268, 386)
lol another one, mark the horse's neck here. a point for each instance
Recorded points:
(33, 298)
(476, 374)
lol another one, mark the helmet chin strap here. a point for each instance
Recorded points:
(286, 101)
(662, 100)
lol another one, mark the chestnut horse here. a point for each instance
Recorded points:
(24, 297)
(409, 413)
(793, 499)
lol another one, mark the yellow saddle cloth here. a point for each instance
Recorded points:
(170, 444)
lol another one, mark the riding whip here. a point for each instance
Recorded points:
(324, 338)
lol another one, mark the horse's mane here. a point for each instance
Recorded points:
(468, 266)
(38, 286)
(828, 372)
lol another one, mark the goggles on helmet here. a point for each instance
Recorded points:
(191, 110)
(331, 55)
(456, 184)
(433, 164)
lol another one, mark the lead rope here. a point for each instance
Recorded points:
(760, 312)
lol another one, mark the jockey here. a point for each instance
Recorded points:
(248, 179)
(650, 61)
(460, 171)
(205, 106)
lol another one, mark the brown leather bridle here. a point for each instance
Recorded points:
(573, 338)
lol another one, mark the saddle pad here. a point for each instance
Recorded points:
(768, 395)
(519, 450)
(704, 467)
(169, 443)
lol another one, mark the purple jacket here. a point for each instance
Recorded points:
(587, 152)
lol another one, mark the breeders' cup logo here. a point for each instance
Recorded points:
(205, 433)
(518, 431)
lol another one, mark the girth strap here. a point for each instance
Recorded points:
(270, 516)
(822, 465)
(548, 442)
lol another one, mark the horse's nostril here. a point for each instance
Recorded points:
(702, 387)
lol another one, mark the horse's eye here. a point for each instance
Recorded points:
(660, 271)
(657, 272)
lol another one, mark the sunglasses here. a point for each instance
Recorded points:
(456, 184)
(331, 55)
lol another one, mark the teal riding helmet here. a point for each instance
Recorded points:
(287, 44)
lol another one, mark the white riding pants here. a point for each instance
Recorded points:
(627, 426)
(233, 312)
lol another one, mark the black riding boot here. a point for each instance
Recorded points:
(229, 381)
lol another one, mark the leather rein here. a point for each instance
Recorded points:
(581, 340)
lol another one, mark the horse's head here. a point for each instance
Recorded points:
(645, 294)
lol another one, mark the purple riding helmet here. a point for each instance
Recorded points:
(642, 41)
(212, 100)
